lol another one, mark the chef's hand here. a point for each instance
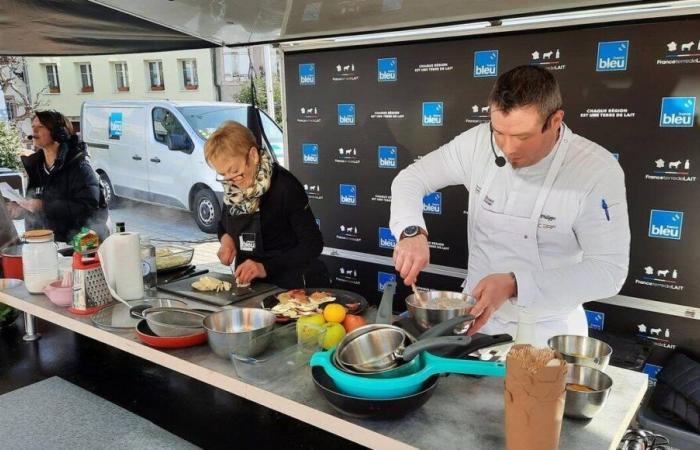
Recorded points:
(411, 255)
(227, 251)
(33, 205)
(491, 293)
(248, 270)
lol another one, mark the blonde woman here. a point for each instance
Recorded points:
(267, 225)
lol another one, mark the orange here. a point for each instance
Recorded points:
(334, 313)
(351, 322)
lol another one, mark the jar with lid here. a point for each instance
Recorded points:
(39, 260)
(148, 266)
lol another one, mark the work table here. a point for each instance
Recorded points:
(464, 412)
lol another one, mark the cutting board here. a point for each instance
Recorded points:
(184, 288)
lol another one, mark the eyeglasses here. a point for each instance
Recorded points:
(234, 176)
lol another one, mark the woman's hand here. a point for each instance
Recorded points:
(227, 251)
(248, 270)
(33, 205)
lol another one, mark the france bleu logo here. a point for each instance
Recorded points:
(115, 125)
(310, 153)
(432, 203)
(348, 194)
(387, 157)
(486, 63)
(307, 74)
(612, 56)
(346, 114)
(677, 112)
(386, 239)
(432, 114)
(665, 224)
(383, 278)
(386, 69)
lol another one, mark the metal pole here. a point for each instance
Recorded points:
(267, 49)
(30, 328)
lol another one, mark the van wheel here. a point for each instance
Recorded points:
(110, 198)
(206, 210)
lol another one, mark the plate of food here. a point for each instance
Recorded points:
(292, 304)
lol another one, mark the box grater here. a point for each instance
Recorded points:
(90, 290)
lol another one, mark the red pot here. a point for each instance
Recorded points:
(12, 262)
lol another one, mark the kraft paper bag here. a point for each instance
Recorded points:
(534, 398)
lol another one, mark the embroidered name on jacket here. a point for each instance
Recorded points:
(547, 226)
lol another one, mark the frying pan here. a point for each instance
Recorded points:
(363, 408)
(386, 388)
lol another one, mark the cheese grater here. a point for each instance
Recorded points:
(90, 290)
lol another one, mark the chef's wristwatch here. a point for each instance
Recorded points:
(412, 231)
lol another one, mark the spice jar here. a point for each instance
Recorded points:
(39, 260)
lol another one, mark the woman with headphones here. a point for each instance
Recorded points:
(63, 193)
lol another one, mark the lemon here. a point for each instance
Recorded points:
(334, 313)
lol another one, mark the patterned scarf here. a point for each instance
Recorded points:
(247, 201)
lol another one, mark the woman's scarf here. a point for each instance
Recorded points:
(247, 201)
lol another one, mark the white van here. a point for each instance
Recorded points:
(153, 151)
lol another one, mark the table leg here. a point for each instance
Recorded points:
(30, 328)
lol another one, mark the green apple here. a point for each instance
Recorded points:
(334, 334)
(309, 327)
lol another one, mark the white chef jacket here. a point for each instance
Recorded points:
(579, 253)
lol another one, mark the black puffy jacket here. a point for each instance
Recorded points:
(70, 193)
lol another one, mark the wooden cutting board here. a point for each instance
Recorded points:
(184, 288)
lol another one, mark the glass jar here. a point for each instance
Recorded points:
(148, 266)
(39, 260)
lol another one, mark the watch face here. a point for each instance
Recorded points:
(411, 231)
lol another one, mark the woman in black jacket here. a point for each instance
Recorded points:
(63, 193)
(267, 224)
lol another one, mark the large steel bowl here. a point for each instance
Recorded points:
(439, 307)
(235, 331)
(585, 405)
(582, 350)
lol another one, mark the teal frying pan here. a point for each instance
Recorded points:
(388, 388)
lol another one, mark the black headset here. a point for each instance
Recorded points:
(499, 160)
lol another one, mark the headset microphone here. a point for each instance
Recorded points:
(499, 160)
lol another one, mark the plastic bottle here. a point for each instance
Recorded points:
(526, 327)
(148, 266)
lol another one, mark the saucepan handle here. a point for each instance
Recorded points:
(432, 343)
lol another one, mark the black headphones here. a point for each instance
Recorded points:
(499, 160)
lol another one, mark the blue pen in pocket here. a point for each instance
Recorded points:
(605, 208)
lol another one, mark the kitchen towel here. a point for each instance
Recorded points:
(120, 255)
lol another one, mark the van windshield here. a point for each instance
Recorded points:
(204, 120)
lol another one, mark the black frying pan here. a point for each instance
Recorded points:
(363, 408)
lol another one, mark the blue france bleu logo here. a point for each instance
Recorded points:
(310, 153)
(386, 239)
(387, 69)
(612, 56)
(432, 114)
(665, 224)
(486, 63)
(652, 370)
(677, 112)
(383, 278)
(348, 194)
(307, 74)
(115, 125)
(346, 114)
(596, 320)
(387, 157)
(432, 203)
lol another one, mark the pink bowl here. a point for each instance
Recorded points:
(59, 296)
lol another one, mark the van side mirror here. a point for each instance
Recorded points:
(179, 142)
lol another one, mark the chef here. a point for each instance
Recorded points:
(547, 225)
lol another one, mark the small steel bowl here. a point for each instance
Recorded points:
(582, 350)
(585, 405)
(241, 331)
(170, 322)
(439, 306)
